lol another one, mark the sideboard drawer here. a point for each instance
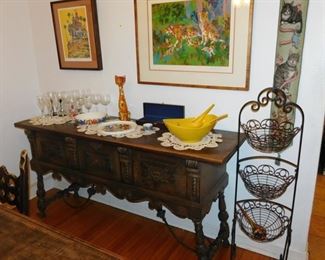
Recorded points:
(51, 149)
(160, 174)
(99, 159)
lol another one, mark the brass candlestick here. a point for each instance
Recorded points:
(124, 114)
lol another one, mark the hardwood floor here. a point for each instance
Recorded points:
(316, 240)
(128, 235)
(135, 237)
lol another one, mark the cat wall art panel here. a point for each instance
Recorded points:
(290, 41)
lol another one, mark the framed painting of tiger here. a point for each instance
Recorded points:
(195, 43)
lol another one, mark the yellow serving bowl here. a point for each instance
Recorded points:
(183, 129)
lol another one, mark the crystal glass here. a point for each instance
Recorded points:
(95, 99)
(88, 103)
(41, 103)
(85, 93)
(72, 111)
(51, 97)
(55, 104)
(60, 101)
(76, 93)
(105, 100)
(78, 105)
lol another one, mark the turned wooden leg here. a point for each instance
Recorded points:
(201, 248)
(223, 217)
(41, 203)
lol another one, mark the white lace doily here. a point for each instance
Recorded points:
(47, 120)
(210, 141)
(96, 130)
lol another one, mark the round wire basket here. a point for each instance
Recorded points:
(265, 182)
(269, 135)
(262, 220)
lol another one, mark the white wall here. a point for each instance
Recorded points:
(116, 24)
(2, 64)
(18, 80)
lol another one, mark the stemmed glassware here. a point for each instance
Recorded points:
(95, 99)
(85, 93)
(88, 103)
(61, 103)
(105, 100)
(70, 103)
(51, 99)
(41, 103)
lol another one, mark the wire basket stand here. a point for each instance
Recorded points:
(265, 175)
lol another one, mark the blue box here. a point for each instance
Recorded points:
(155, 113)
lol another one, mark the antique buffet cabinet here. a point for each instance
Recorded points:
(185, 182)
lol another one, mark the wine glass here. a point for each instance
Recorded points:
(60, 102)
(95, 99)
(85, 92)
(50, 96)
(41, 103)
(105, 100)
(76, 93)
(56, 104)
(88, 103)
(71, 105)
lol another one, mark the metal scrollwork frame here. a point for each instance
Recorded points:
(264, 181)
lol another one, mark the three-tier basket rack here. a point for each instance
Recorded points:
(263, 173)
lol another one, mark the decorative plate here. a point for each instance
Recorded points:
(116, 127)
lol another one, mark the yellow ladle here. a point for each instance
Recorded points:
(197, 122)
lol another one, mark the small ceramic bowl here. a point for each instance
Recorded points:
(90, 118)
(147, 126)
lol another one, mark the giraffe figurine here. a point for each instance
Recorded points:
(124, 114)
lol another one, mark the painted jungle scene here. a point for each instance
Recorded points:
(193, 32)
(73, 22)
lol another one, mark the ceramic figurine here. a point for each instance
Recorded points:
(124, 114)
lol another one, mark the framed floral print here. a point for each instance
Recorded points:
(194, 43)
(76, 33)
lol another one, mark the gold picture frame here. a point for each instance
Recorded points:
(194, 43)
(76, 34)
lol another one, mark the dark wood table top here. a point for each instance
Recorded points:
(218, 155)
(25, 238)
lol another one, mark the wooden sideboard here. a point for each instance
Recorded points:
(185, 182)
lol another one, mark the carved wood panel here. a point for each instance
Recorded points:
(98, 159)
(51, 149)
(193, 180)
(71, 152)
(160, 174)
(125, 163)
